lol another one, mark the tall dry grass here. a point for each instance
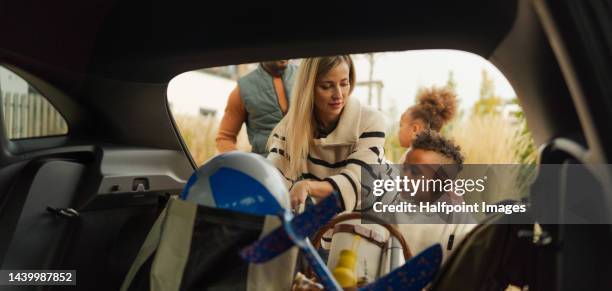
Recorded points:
(493, 139)
(199, 133)
(484, 139)
(488, 139)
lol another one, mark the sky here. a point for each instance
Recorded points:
(402, 74)
(190, 91)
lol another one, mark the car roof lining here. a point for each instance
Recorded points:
(143, 44)
(153, 42)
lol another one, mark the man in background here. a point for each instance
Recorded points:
(260, 100)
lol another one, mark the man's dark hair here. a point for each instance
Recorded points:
(430, 140)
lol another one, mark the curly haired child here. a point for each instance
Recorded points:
(434, 108)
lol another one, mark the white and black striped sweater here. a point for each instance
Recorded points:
(356, 143)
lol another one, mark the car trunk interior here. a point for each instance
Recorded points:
(105, 65)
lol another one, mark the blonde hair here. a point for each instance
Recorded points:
(299, 123)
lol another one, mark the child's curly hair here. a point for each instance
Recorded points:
(430, 140)
(435, 106)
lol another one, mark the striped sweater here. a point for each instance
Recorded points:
(357, 142)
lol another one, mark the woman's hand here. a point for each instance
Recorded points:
(301, 190)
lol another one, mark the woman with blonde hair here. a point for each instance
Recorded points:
(321, 146)
(327, 136)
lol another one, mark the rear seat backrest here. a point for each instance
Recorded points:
(34, 234)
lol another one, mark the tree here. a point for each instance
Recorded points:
(371, 83)
(370, 77)
(489, 102)
(527, 153)
(487, 86)
(450, 82)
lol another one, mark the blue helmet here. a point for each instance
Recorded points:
(239, 181)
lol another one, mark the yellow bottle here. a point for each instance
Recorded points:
(345, 269)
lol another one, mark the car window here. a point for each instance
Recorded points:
(25, 112)
(389, 81)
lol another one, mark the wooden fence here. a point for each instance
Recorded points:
(30, 115)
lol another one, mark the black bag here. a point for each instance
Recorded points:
(194, 247)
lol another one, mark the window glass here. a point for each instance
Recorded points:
(26, 113)
(487, 106)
